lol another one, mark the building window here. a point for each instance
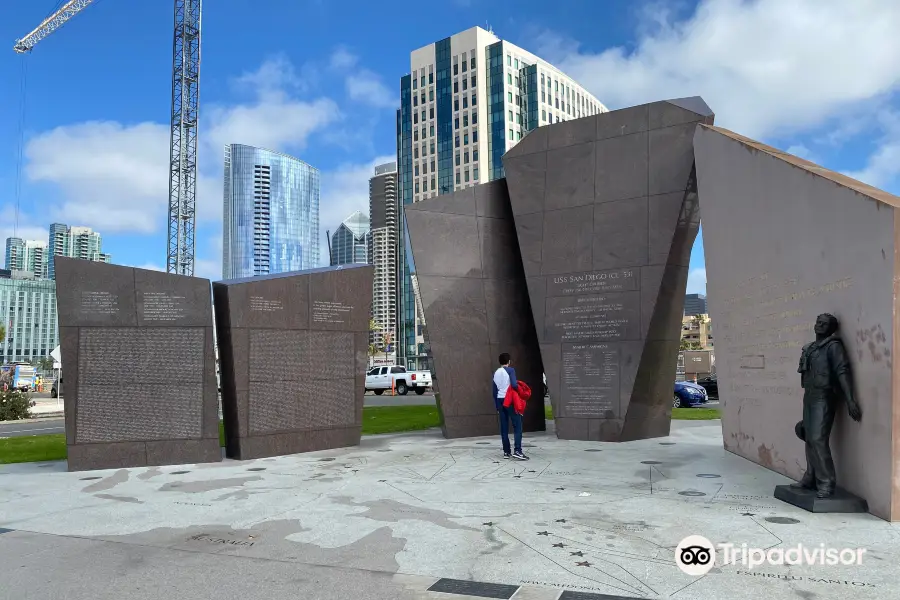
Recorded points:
(555, 85)
(456, 123)
(465, 120)
(518, 135)
(472, 60)
(423, 96)
(417, 186)
(431, 112)
(475, 173)
(416, 152)
(455, 87)
(457, 178)
(517, 63)
(423, 81)
(474, 118)
(466, 157)
(519, 118)
(457, 159)
(542, 79)
(431, 80)
(510, 116)
(473, 80)
(415, 84)
(416, 118)
(474, 100)
(457, 140)
(432, 147)
(543, 96)
(432, 131)
(464, 65)
(432, 166)
(456, 69)
(474, 136)
(509, 97)
(465, 84)
(510, 134)
(466, 139)
(508, 60)
(456, 104)
(430, 96)
(465, 102)
(467, 175)
(509, 79)
(557, 102)
(415, 100)
(517, 82)
(543, 115)
(416, 135)
(475, 151)
(417, 170)
(434, 187)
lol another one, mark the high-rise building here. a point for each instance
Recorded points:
(383, 211)
(271, 222)
(467, 100)
(695, 304)
(349, 243)
(28, 255)
(28, 311)
(74, 242)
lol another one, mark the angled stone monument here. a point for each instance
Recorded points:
(140, 367)
(787, 240)
(293, 350)
(606, 214)
(472, 288)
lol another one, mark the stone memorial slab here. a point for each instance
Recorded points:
(470, 278)
(139, 359)
(606, 213)
(819, 242)
(293, 350)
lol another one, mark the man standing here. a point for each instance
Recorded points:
(504, 379)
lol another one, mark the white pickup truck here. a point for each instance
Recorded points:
(379, 379)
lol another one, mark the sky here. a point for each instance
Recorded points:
(84, 118)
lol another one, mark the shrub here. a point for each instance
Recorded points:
(14, 405)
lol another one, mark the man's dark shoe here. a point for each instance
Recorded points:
(826, 493)
(519, 455)
(803, 484)
(507, 455)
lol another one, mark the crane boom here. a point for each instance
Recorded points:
(183, 147)
(50, 24)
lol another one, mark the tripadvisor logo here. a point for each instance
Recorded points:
(696, 555)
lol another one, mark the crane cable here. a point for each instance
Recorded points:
(23, 89)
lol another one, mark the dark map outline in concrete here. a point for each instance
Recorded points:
(469, 278)
(606, 213)
(94, 299)
(321, 319)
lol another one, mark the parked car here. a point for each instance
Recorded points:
(689, 394)
(379, 379)
(56, 388)
(711, 385)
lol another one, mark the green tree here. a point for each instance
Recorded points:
(373, 335)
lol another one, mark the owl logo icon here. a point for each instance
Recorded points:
(695, 555)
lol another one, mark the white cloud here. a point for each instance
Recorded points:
(150, 267)
(367, 87)
(114, 176)
(763, 66)
(883, 166)
(696, 283)
(342, 58)
(802, 151)
(344, 190)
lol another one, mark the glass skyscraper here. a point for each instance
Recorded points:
(74, 242)
(351, 240)
(28, 310)
(271, 220)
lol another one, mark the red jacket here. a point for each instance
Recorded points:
(517, 397)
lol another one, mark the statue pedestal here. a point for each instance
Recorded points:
(841, 501)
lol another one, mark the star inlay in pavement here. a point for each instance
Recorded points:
(517, 476)
(382, 481)
(489, 523)
(579, 553)
(560, 489)
(559, 545)
(560, 520)
(748, 514)
(584, 564)
(543, 533)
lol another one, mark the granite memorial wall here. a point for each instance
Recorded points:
(786, 240)
(470, 281)
(140, 374)
(293, 350)
(606, 214)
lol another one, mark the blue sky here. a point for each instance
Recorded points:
(319, 80)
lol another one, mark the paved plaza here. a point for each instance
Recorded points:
(405, 513)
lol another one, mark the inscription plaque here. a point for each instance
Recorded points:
(619, 280)
(140, 366)
(291, 383)
(590, 380)
(614, 316)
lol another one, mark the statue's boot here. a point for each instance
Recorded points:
(825, 493)
(807, 483)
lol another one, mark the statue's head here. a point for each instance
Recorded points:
(826, 324)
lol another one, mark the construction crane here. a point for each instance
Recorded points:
(180, 252)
